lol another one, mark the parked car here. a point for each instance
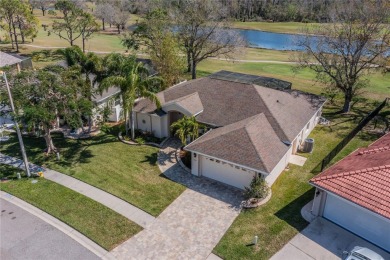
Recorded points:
(362, 253)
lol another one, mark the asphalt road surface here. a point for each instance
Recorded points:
(25, 236)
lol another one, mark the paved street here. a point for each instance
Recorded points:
(25, 236)
(323, 240)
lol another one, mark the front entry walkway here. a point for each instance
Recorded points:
(192, 225)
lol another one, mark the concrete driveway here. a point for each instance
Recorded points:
(25, 236)
(323, 240)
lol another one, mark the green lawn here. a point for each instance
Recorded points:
(277, 27)
(129, 172)
(303, 80)
(279, 220)
(101, 224)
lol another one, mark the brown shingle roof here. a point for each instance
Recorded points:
(191, 103)
(254, 123)
(250, 142)
(226, 102)
(362, 177)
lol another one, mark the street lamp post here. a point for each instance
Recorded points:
(2, 73)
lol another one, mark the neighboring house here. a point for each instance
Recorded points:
(111, 97)
(254, 129)
(355, 193)
(14, 61)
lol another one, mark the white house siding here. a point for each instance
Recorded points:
(278, 169)
(358, 220)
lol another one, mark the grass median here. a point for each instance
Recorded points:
(101, 224)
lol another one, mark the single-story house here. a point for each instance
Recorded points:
(354, 193)
(254, 128)
(14, 61)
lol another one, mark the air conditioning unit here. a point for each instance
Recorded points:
(308, 145)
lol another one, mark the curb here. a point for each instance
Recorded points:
(68, 230)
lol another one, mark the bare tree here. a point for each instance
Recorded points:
(42, 4)
(201, 27)
(349, 47)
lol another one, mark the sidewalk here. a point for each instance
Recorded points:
(122, 207)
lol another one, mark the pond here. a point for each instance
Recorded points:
(273, 41)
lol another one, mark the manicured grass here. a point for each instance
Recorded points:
(277, 27)
(129, 172)
(303, 79)
(279, 220)
(101, 224)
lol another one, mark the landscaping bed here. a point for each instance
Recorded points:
(101, 224)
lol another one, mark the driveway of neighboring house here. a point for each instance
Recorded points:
(323, 240)
(192, 225)
(25, 236)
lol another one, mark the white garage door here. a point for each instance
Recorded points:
(358, 220)
(226, 173)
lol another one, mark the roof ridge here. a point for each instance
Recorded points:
(374, 150)
(271, 119)
(253, 118)
(342, 174)
(182, 98)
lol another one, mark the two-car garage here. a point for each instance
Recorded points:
(221, 171)
(358, 220)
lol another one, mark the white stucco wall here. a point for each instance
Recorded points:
(152, 123)
(278, 169)
(195, 164)
(143, 122)
(164, 126)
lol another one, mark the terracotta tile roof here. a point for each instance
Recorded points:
(251, 142)
(362, 177)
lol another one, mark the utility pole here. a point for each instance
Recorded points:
(27, 169)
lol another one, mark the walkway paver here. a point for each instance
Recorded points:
(192, 225)
(122, 207)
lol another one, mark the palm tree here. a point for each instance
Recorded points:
(133, 80)
(89, 65)
(186, 127)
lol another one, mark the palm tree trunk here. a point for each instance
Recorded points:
(132, 125)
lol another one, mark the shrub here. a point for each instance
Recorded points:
(140, 140)
(257, 189)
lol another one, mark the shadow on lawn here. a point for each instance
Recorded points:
(71, 151)
(151, 159)
(291, 213)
